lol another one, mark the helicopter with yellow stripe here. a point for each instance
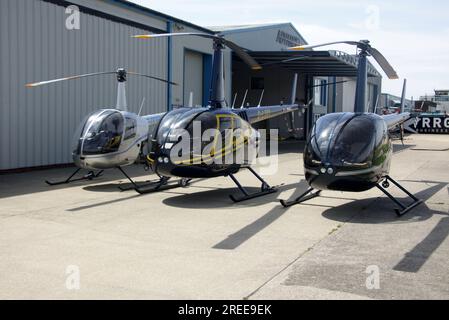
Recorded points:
(225, 138)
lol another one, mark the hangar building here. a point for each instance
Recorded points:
(38, 43)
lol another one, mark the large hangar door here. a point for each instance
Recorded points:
(193, 77)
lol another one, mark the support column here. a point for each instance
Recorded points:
(169, 66)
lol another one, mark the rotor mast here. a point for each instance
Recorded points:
(121, 90)
(362, 78)
(217, 88)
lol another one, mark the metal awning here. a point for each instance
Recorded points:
(314, 63)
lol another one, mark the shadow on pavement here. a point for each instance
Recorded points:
(417, 257)
(236, 239)
(398, 148)
(382, 212)
(347, 212)
(382, 208)
(33, 182)
(15, 184)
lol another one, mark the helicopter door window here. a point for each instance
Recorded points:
(226, 123)
(131, 128)
(226, 130)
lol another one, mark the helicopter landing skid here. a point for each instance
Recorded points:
(163, 185)
(160, 185)
(302, 198)
(265, 189)
(139, 185)
(89, 176)
(403, 209)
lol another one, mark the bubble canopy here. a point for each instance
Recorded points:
(100, 133)
(344, 139)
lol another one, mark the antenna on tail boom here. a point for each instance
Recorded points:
(404, 91)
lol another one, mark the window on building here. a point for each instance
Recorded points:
(321, 90)
(257, 83)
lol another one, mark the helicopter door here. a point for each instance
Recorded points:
(219, 145)
(225, 128)
(229, 140)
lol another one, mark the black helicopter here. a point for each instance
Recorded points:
(352, 151)
(163, 146)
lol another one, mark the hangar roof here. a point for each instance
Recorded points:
(254, 27)
(145, 10)
(316, 63)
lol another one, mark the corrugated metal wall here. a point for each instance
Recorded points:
(36, 125)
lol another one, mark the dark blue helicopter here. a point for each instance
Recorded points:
(167, 136)
(352, 151)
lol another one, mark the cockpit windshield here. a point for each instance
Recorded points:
(103, 132)
(325, 131)
(176, 119)
(342, 139)
(355, 142)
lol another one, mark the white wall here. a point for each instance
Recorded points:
(348, 95)
(193, 77)
(197, 44)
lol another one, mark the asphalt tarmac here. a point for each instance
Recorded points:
(88, 240)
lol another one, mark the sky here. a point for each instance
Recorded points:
(412, 34)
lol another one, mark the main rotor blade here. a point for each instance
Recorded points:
(236, 48)
(179, 34)
(381, 60)
(243, 55)
(151, 77)
(36, 84)
(306, 47)
(384, 64)
(31, 85)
